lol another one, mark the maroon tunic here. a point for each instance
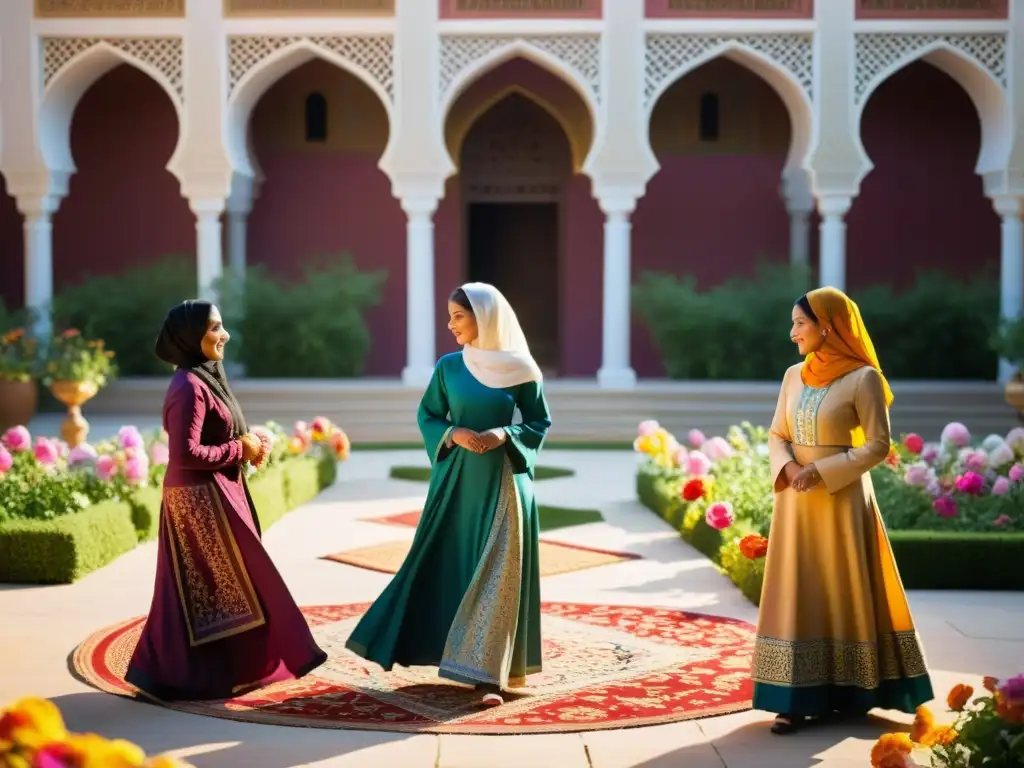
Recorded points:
(222, 619)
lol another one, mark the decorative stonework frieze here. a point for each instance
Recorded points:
(164, 54)
(669, 53)
(581, 54)
(308, 7)
(373, 54)
(65, 9)
(907, 9)
(877, 52)
(730, 8)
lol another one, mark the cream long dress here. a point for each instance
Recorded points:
(834, 630)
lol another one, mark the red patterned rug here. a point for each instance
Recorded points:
(604, 667)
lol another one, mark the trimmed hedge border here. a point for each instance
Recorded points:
(64, 549)
(939, 560)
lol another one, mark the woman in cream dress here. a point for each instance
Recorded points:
(834, 632)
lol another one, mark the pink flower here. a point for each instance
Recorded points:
(159, 453)
(974, 461)
(130, 437)
(136, 469)
(696, 438)
(719, 515)
(1016, 473)
(919, 474)
(1012, 691)
(913, 443)
(301, 428)
(17, 439)
(717, 449)
(697, 464)
(646, 428)
(46, 451)
(81, 453)
(970, 482)
(265, 435)
(957, 434)
(1001, 486)
(106, 467)
(1015, 439)
(930, 452)
(1000, 521)
(945, 506)
(6, 460)
(321, 426)
(680, 456)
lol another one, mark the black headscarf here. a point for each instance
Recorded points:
(180, 344)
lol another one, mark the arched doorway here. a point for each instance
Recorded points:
(514, 169)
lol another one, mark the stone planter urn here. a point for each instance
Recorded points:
(74, 394)
(18, 402)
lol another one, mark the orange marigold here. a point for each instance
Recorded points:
(958, 697)
(890, 745)
(944, 734)
(1011, 713)
(753, 546)
(923, 724)
(990, 684)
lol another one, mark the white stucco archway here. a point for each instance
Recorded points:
(64, 91)
(258, 80)
(987, 94)
(783, 82)
(522, 49)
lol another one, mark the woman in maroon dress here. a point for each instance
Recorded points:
(222, 620)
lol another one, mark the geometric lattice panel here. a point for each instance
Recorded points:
(579, 53)
(373, 54)
(163, 54)
(667, 53)
(876, 52)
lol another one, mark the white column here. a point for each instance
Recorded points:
(38, 226)
(1011, 269)
(833, 240)
(209, 261)
(421, 316)
(615, 371)
(799, 237)
(237, 226)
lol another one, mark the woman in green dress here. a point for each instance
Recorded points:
(467, 597)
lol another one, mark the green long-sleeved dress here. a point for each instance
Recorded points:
(467, 597)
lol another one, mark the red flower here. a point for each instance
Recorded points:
(694, 489)
(913, 443)
(753, 546)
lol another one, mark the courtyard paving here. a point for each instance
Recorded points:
(966, 636)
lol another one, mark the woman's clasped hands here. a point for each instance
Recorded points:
(802, 478)
(478, 442)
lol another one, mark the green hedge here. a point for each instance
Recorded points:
(64, 549)
(926, 559)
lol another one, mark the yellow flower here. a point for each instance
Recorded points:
(923, 724)
(958, 697)
(30, 723)
(97, 752)
(162, 761)
(890, 745)
(944, 734)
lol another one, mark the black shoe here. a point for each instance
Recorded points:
(786, 724)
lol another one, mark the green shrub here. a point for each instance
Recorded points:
(127, 309)
(738, 330)
(145, 503)
(310, 328)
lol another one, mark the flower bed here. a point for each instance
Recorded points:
(65, 513)
(949, 501)
(988, 731)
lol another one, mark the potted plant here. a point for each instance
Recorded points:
(1009, 344)
(18, 363)
(76, 369)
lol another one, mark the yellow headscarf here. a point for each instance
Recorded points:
(847, 346)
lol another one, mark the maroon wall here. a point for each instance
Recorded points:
(330, 198)
(922, 205)
(124, 208)
(12, 259)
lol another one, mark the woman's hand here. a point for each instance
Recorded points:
(791, 470)
(251, 447)
(468, 439)
(806, 479)
(493, 438)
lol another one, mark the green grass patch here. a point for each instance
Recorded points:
(552, 518)
(422, 474)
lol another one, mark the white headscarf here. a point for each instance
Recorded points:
(499, 356)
